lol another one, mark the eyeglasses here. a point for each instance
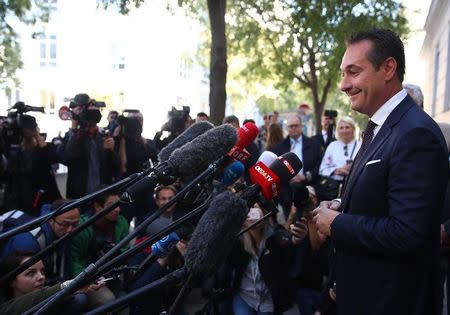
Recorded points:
(165, 198)
(293, 126)
(66, 224)
(345, 150)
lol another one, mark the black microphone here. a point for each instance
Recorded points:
(213, 237)
(300, 200)
(189, 160)
(208, 247)
(188, 135)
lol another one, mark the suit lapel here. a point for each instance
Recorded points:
(380, 138)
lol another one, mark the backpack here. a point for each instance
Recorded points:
(15, 218)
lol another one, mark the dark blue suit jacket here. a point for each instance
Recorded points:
(311, 163)
(387, 239)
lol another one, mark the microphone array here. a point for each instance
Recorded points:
(201, 155)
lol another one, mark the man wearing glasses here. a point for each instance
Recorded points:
(56, 262)
(308, 150)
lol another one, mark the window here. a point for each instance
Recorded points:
(47, 48)
(447, 76)
(48, 99)
(118, 57)
(435, 81)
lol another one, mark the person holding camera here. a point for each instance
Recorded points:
(325, 137)
(179, 120)
(135, 153)
(30, 179)
(88, 154)
(338, 158)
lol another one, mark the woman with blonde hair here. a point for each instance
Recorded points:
(338, 157)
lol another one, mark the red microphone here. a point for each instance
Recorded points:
(269, 179)
(246, 135)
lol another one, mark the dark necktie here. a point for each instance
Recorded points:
(367, 139)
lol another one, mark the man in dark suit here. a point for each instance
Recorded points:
(326, 136)
(307, 150)
(386, 235)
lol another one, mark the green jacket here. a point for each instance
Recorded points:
(82, 248)
(22, 304)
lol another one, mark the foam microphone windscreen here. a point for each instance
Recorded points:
(214, 236)
(195, 156)
(188, 135)
(267, 157)
(247, 134)
(286, 166)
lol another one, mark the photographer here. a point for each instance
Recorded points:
(88, 154)
(30, 180)
(178, 121)
(135, 152)
(327, 135)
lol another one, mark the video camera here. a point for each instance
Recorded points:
(87, 113)
(177, 119)
(15, 122)
(330, 113)
(130, 123)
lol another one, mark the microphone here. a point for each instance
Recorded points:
(190, 159)
(162, 247)
(300, 200)
(267, 157)
(213, 238)
(188, 135)
(210, 244)
(267, 179)
(232, 173)
(246, 135)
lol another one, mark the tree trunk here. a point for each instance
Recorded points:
(218, 63)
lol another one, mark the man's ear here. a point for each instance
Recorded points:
(390, 68)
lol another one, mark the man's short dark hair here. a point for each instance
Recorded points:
(202, 114)
(248, 120)
(386, 44)
(231, 120)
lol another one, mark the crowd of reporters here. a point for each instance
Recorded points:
(277, 264)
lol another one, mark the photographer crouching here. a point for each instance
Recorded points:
(88, 153)
(29, 175)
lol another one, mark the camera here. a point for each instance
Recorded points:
(331, 113)
(90, 110)
(130, 123)
(13, 124)
(177, 119)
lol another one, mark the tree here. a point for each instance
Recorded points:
(304, 41)
(11, 12)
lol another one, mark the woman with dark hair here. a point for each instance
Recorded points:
(274, 135)
(27, 288)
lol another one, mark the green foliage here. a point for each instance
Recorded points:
(303, 41)
(11, 12)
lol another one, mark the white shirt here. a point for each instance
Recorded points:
(325, 135)
(297, 148)
(335, 157)
(386, 109)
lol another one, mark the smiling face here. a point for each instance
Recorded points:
(346, 132)
(367, 88)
